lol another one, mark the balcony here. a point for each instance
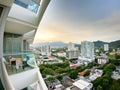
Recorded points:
(20, 62)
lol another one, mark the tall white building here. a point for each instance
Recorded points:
(19, 20)
(87, 49)
(72, 54)
(72, 51)
(46, 50)
(71, 46)
(106, 47)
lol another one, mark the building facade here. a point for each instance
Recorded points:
(46, 50)
(106, 47)
(72, 54)
(87, 49)
(71, 46)
(19, 20)
(72, 51)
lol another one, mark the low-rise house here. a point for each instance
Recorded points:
(95, 74)
(116, 75)
(82, 73)
(102, 59)
(75, 65)
(59, 87)
(61, 54)
(83, 85)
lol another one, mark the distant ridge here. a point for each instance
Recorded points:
(98, 44)
(52, 44)
(113, 44)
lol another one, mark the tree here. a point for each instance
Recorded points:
(59, 70)
(67, 69)
(73, 74)
(87, 73)
(97, 81)
(109, 68)
(99, 87)
(105, 83)
(48, 71)
(42, 67)
(51, 79)
(60, 77)
(117, 56)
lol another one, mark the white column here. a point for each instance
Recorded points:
(3, 73)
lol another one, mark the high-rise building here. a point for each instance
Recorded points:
(46, 50)
(71, 46)
(72, 51)
(106, 47)
(72, 54)
(87, 49)
(19, 20)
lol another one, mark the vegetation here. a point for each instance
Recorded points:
(51, 79)
(73, 74)
(115, 62)
(52, 69)
(87, 73)
(60, 77)
(104, 82)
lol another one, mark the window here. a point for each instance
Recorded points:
(12, 43)
(28, 4)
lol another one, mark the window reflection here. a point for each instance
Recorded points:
(28, 4)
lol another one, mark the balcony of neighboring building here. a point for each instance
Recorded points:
(25, 11)
(19, 62)
(28, 78)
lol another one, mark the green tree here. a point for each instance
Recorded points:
(67, 69)
(51, 79)
(105, 83)
(48, 71)
(117, 56)
(99, 87)
(59, 70)
(109, 68)
(87, 73)
(60, 77)
(97, 81)
(73, 74)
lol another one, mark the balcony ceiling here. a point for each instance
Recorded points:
(18, 27)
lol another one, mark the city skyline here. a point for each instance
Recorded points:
(80, 20)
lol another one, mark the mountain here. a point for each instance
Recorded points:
(58, 44)
(52, 44)
(99, 44)
(115, 44)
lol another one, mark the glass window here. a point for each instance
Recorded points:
(33, 6)
(28, 4)
(12, 43)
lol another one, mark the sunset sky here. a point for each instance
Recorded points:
(78, 20)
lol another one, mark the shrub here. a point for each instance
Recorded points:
(60, 77)
(51, 79)
(73, 74)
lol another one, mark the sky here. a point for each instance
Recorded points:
(79, 20)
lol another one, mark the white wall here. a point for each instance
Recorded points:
(23, 14)
(24, 79)
(3, 73)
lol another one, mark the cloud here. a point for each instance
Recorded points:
(106, 29)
